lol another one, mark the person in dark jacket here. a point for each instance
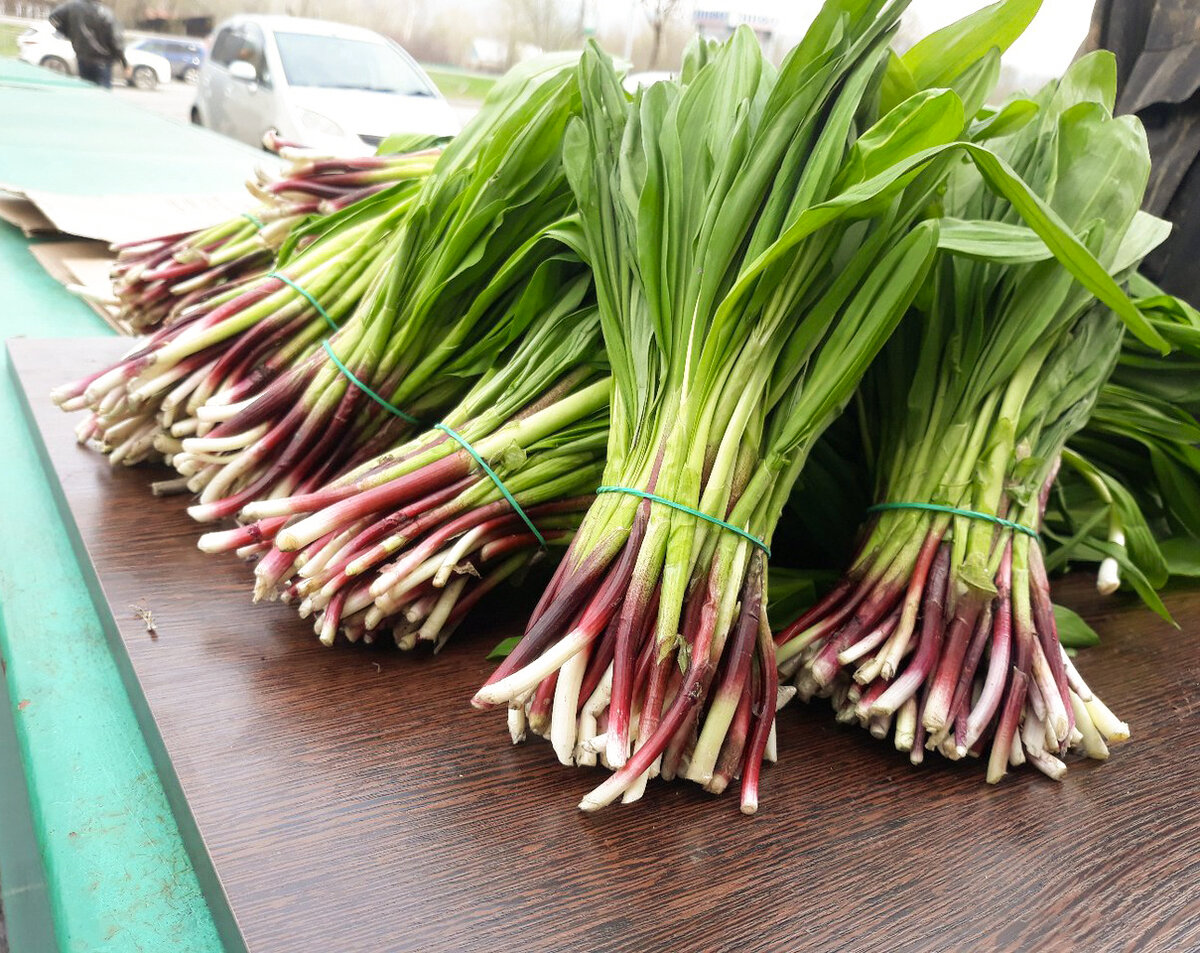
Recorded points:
(95, 37)
(1157, 44)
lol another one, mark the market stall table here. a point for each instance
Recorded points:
(350, 799)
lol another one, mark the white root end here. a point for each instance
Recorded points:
(517, 724)
(1111, 728)
(1108, 579)
(1016, 751)
(771, 751)
(1074, 679)
(527, 679)
(906, 725)
(563, 722)
(584, 754)
(1048, 765)
(1093, 742)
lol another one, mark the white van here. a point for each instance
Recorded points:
(336, 88)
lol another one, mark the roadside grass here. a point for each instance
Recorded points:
(459, 84)
(8, 38)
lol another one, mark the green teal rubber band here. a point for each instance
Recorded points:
(512, 500)
(955, 511)
(311, 300)
(364, 388)
(254, 220)
(653, 498)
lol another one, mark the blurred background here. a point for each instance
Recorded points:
(457, 40)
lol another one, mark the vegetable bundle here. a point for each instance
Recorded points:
(432, 324)
(942, 631)
(409, 540)
(1128, 495)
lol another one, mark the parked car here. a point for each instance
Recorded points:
(184, 55)
(42, 46)
(333, 87)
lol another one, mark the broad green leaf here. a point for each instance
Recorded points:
(1038, 215)
(990, 240)
(1011, 117)
(943, 55)
(1180, 489)
(1145, 233)
(975, 84)
(897, 85)
(1090, 79)
(1073, 632)
(929, 118)
(1182, 555)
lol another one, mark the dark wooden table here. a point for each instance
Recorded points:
(349, 799)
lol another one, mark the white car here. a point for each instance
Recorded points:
(42, 46)
(335, 88)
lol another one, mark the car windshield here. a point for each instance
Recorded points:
(336, 63)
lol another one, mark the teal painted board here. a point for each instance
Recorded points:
(25, 918)
(78, 139)
(117, 875)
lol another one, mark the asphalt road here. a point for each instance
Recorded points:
(173, 101)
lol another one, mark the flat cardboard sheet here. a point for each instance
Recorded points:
(83, 267)
(136, 217)
(21, 213)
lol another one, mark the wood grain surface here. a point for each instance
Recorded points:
(349, 799)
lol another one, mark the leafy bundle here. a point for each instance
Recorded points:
(434, 322)
(942, 629)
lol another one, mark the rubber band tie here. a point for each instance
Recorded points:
(955, 511)
(365, 389)
(303, 291)
(653, 498)
(512, 500)
(254, 220)
(462, 441)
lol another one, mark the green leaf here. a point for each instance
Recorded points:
(926, 119)
(399, 142)
(503, 649)
(991, 240)
(1065, 246)
(898, 84)
(1013, 116)
(1073, 632)
(942, 56)
(1182, 555)
(1090, 79)
(1180, 490)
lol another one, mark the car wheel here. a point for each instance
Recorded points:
(191, 75)
(143, 78)
(196, 117)
(56, 64)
